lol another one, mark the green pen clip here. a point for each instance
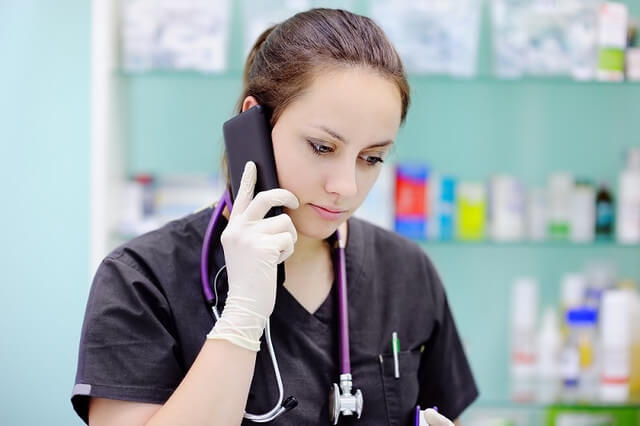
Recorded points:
(395, 348)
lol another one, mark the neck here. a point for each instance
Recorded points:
(307, 249)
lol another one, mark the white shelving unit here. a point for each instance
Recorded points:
(107, 156)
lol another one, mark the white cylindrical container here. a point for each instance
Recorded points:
(506, 208)
(628, 221)
(633, 63)
(548, 358)
(537, 214)
(524, 309)
(583, 213)
(600, 276)
(612, 40)
(615, 335)
(573, 290)
(560, 191)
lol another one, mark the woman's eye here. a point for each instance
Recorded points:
(372, 160)
(319, 148)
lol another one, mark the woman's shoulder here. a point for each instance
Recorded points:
(158, 247)
(384, 241)
(390, 257)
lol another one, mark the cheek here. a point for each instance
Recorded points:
(366, 180)
(292, 167)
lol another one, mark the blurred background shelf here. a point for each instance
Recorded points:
(530, 244)
(558, 404)
(421, 78)
(169, 122)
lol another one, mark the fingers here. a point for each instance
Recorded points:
(434, 418)
(245, 192)
(278, 224)
(284, 243)
(265, 200)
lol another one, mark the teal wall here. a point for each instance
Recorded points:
(44, 176)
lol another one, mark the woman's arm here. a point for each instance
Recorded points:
(214, 392)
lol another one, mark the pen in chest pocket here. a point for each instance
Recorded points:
(395, 348)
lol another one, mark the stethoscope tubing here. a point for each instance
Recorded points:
(204, 254)
(211, 298)
(345, 358)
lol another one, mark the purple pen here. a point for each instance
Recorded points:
(417, 419)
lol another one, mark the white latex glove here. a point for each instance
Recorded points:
(431, 417)
(253, 247)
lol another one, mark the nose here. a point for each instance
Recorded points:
(342, 180)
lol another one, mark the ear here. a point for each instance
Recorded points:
(249, 102)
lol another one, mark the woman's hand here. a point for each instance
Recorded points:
(431, 417)
(253, 247)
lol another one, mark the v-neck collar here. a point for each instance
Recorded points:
(327, 313)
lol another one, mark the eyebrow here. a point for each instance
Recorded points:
(335, 135)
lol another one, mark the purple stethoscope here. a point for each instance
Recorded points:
(341, 400)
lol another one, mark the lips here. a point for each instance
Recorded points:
(328, 213)
(330, 210)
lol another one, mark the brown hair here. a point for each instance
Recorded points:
(285, 57)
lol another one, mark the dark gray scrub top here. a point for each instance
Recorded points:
(146, 321)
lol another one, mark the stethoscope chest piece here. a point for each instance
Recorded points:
(344, 402)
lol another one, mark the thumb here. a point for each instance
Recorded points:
(245, 192)
(433, 418)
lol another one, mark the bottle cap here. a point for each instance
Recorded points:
(582, 316)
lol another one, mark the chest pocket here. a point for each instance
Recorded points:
(400, 394)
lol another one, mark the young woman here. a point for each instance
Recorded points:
(151, 352)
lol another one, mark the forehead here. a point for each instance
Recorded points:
(356, 102)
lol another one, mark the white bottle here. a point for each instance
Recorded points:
(573, 291)
(506, 208)
(582, 228)
(537, 214)
(524, 308)
(612, 40)
(601, 275)
(628, 220)
(548, 358)
(560, 191)
(615, 335)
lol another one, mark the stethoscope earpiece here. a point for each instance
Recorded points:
(290, 403)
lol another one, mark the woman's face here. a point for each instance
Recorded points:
(328, 144)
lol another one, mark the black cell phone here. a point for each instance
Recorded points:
(247, 137)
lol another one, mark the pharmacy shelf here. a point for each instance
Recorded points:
(527, 244)
(512, 413)
(180, 74)
(418, 78)
(488, 403)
